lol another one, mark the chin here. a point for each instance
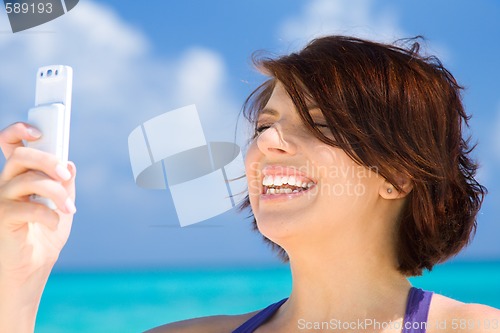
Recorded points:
(279, 227)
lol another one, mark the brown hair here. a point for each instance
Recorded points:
(392, 108)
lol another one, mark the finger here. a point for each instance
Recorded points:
(18, 213)
(24, 159)
(12, 137)
(33, 182)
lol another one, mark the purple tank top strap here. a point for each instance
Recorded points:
(415, 319)
(253, 323)
(417, 310)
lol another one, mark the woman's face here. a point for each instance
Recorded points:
(299, 185)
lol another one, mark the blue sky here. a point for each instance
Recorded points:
(136, 60)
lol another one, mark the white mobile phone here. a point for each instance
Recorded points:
(52, 114)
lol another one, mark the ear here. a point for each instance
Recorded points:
(389, 191)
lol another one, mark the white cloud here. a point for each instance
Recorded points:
(200, 78)
(357, 18)
(118, 84)
(196, 69)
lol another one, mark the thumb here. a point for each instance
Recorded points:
(12, 137)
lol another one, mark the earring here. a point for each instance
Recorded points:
(389, 190)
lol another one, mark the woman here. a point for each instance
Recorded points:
(357, 174)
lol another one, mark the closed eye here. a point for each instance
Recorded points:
(324, 128)
(262, 128)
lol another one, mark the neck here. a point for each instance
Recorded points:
(346, 290)
(344, 282)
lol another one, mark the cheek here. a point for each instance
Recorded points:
(251, 155)
(343, 181)
(326, 155)
(253, 169)
(331, 164)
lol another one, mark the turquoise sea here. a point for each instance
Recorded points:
(136, 301)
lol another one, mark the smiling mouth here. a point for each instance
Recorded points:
(286, 189)
(284, 184)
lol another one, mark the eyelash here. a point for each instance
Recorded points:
(262, 128)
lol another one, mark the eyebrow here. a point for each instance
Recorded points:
(273, 112)
(314, 109)
(268, 111)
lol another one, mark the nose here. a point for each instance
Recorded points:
(273, 141)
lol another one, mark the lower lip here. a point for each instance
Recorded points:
(285, 196)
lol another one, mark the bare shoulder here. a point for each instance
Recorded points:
(211, 324)
(447, 315)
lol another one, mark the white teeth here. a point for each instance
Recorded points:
(276, 181)
(286, 190)
(281, 191)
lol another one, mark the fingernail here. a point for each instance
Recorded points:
(63, 172)
(70, 206)
(71, 167)
(34, 132)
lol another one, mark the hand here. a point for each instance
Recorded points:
(31, 234)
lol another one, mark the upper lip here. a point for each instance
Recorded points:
(281, 170)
